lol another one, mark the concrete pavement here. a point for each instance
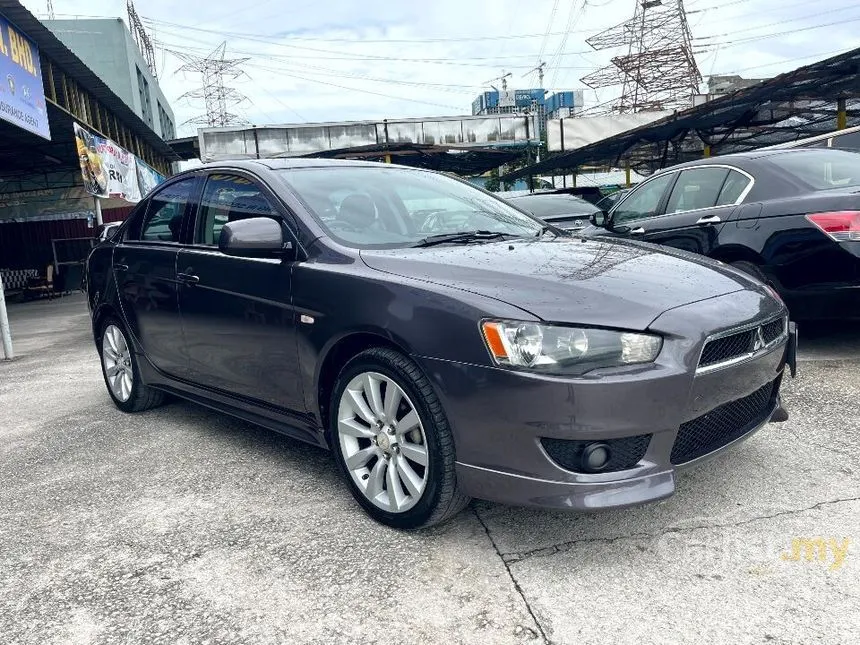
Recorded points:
(180, 525)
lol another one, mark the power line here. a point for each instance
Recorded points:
(782, 62)
(744, 41)
(548, 29)
(355, 89)
(773, 24)
(323, 71)
(573, 18)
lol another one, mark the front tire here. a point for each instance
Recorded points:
(121, 371)
(392, 441)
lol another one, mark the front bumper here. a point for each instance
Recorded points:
(499, 418)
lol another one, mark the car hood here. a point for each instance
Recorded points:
(592, 282)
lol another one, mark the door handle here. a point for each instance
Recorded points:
(187, 278)
(120, 267)
(637, 231)
(710, 219)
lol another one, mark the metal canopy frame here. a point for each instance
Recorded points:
(791, 106)
(462, 161)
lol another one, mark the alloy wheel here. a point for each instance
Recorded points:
(383, 442)
(116, 357)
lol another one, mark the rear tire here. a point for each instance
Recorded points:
(121, 370)
(392, 441)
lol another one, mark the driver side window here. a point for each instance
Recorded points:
(228, 198)
(644, 201)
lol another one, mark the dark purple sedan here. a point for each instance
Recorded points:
(441, 342)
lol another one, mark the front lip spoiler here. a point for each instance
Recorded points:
(522, 490)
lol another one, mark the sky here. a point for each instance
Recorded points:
(341, 60)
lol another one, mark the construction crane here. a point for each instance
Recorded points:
(503, 78)
(539, 70)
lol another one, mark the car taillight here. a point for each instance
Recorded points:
(842, 226)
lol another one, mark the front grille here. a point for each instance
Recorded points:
(722, 425)
(625, 452)
(773, 330)
(727, 348)
(742, 343)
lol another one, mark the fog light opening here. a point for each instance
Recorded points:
(595, 457)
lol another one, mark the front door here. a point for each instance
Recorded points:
(144, 264)
(643, 204)
(239, 325)
(701, 202)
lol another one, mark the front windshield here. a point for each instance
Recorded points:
(373, 207)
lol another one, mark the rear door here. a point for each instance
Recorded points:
(237, 316)
(144, 265)
(702, 200)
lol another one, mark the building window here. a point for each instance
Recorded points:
(167, 129)
(145, 104)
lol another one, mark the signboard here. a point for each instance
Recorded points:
(570, 134)
(22, 95)
(147, 178)
(45, 205)
(109, 170)
(507, 98)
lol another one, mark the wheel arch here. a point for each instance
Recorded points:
(102, 313)
(736, 253)
(339, 354)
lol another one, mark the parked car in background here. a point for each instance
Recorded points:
(564, 211)
(442, 343)
(608, 202)
(791, 218)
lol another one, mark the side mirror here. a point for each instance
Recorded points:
(599, 218)
(257, 237)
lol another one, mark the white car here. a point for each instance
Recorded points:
(108, 231)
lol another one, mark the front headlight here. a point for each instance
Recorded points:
(554, 349)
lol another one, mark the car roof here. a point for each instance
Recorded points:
(547, 196)
(288, 163)
(742, 159)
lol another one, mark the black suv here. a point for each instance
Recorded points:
(788, 217)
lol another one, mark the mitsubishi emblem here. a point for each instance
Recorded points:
(759, 340)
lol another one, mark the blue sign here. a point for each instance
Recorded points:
(22, 95)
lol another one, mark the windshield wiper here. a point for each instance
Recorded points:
(555, 230)
(463, 236)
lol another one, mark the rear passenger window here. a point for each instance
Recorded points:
(734, 187)
(164, 213)
(696, 188)
(228, 198)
